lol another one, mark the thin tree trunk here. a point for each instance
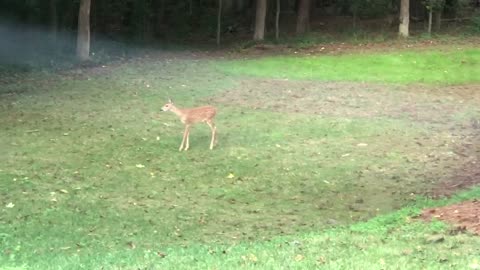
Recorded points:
(438, 19)
(83, 35)
(261, 13)
(228, 7)
(404, 18)
(277, 21)
(355, 20)
(240, 5)
(159, 16)
(53, 21)
(303, 17)
(430, 11)
(219, 21)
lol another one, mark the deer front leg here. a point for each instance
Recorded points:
(214, 129)
(185, 133)
(188, 139)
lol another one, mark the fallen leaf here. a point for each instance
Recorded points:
(140, 166)
(230, 176)
(63, 191)
(321, 260)
(299, 257)
(252, 258)
(10, 205)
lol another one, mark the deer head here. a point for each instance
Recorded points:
(168, 106)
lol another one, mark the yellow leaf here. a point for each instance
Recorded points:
(252, 258)
(230, 176)
(299, 257)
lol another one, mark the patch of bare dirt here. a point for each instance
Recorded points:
(464, 216)
(338, 48)
(348, 99)
(466, 175)
(450, 154)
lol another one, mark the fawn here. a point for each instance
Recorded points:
(192, 116)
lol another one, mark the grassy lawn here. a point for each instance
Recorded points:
(91, 176)
(432, 67)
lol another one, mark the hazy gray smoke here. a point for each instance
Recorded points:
(31, 46)
(27, 45)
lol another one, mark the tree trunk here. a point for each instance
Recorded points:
(148, 21)
(438, 19)
(404, 18)
(354, 20)
(430, 11)
(219, 22)
(240, 5)
(53, 21)
(159, 17)
(303, 17)
(228, 6)
(83, 35)
(261, 13)
(277, 21)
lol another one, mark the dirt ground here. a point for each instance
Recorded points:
(438, 108)
(464, 216)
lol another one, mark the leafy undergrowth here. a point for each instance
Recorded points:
(90, 175)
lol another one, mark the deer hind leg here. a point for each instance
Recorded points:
(214, 131)
(185, 134)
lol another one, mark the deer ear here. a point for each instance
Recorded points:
(170, 101)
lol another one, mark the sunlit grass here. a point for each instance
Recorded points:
(431, 67)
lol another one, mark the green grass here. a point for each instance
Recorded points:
(392, 241)
(91, 168)
(431, 67)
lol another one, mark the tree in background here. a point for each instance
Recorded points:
(277, 21)
(404, 18)
(219, 22)
(434, 7)
(261, 13)
(303, 17)
(53, 20)
(83, 35)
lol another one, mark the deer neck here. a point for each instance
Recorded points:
(177, 111)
